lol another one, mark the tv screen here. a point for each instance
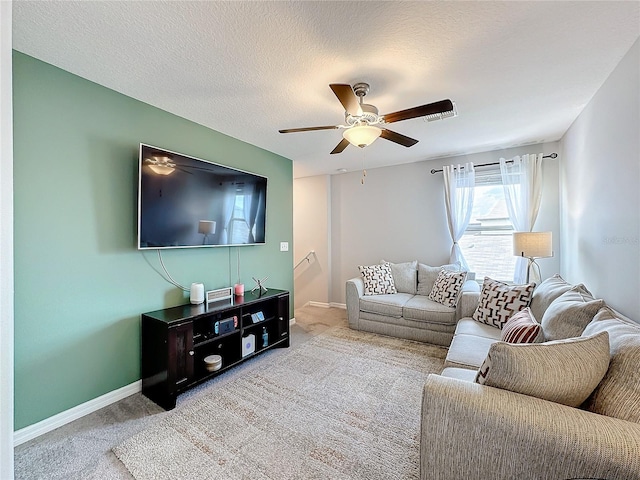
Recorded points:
(186, 202)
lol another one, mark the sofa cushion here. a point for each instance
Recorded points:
(569, 314)
(561, 371)
(499, 301)
(469, 326)
(618, 394)
(422, 309)
(405, 276)
(468, 351)
(388, 304)
(447, 287)
(547, 292)
(378, 279)
(427, 276)
(522, 328)
(465, 374)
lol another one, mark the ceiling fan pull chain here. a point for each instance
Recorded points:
(364, 172)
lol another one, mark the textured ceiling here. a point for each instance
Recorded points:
(519, 72)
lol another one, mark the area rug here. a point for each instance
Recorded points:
(344, 405)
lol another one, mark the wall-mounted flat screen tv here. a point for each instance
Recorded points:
(186, 202)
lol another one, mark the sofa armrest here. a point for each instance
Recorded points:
(468, 299)
(355, 290)
(473, 431)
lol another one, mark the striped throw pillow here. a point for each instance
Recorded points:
(522, 328)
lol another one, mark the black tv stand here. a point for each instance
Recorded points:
(175, 341)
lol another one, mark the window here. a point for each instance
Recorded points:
(238, 226)
(487, 243)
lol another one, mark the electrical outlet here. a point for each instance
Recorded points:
(284, 246)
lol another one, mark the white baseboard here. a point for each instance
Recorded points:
(48, 424)
(326, 305)
(318, 304)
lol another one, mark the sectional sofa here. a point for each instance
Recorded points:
(566, 408)
(566, 405)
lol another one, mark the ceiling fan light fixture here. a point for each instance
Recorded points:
(361, 135)
(161, 165)
(161, 169)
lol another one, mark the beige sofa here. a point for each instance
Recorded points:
(475, 431)
(409, 313)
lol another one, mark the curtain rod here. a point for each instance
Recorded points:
(551, 155)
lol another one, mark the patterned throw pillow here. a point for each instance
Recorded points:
(377, 279)
(522, 328)
(447, 287)
(563, 371)
(499, 301)
(569, 314)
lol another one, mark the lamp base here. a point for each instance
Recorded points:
(533, 266)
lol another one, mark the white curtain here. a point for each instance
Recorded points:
(251, 199)
(459, 185)
(227, 210)
(522, 181)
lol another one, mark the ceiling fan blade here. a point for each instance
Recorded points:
(398, 138)
(308, 129)
(340, 147)
(423, 110)
(347, 98)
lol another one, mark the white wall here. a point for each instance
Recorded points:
(592, 210)
(311, 232)
(600, 177)
(394, 216)
(399, 214)
(6, 244)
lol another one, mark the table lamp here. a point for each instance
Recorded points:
(206, 227)
(532, 245)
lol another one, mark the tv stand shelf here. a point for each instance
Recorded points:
(175, 341)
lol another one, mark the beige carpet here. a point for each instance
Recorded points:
(346, 405)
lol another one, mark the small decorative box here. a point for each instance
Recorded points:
(248, 345)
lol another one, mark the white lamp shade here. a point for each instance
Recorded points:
(208, 227)
(532, 244)
(361, 135)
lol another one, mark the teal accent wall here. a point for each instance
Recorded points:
(80, 282)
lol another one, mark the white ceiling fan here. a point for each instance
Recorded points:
(363, 124)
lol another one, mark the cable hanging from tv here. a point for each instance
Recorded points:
(551, 155)
(168, 277)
